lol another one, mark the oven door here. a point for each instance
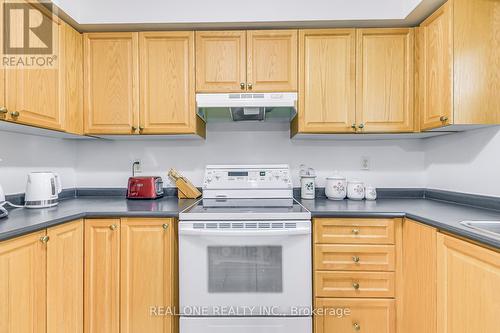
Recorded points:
(226, 269)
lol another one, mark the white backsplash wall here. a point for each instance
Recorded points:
(392, 163)
(22, 154)
(465, 162)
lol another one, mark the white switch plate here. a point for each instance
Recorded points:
(365, 163)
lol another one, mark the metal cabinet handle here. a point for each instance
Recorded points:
(134, 128)
(141, 128)
(242, 86)
(3, 109)
(250, 86)
(165, 226)
(44, 239)
(113, 227)
(355, 259)
(355, 231)
(15, 114)
(361, 126)
(356, 327)
(355, 285)
(443, 119)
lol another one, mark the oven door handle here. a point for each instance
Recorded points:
(222, 233)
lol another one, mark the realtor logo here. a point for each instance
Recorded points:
(27, 30)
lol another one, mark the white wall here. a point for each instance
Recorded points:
(465, 162)
(203, 11)
(24, 153)
(393, 163)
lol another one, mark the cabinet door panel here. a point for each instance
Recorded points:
(102, 276)
(385, 80)
(435, 68)
(110, 83)
(326, 80)
(167, 82)
(468, 287)
(272, 60)
(147, 274)
(220, 61)
(22, 285)
(65, 278)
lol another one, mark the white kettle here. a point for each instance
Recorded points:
(42, 190)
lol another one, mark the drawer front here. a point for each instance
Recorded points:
(354, 257)
(353, 231)
(366, 315)
(353, 284)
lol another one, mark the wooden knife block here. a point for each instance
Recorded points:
(185, 189)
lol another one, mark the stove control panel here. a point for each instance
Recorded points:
(247, 177)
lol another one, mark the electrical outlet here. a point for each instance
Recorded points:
(365, 163)
(137, 165)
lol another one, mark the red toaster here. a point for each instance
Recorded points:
(145, 187)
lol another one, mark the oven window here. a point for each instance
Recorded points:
(245, 269)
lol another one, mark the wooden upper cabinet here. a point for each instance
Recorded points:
(33, 96)
(147, 274)
(102, 276)
(23, 285)
(435, 69)
(65, 278)
(221, 61)
(385, 80)
(468, 287)
(167, 77)
(272, 60)
(111, 104)
(326, 80)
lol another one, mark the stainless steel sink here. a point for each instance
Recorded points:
(490, 228)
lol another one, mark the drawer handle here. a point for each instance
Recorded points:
(356, 326)
(443, 119)
(355, 285)
(113, 227)
(355, 231)
(355, 259)
(15, 114)
(3, 109)
(165, 226)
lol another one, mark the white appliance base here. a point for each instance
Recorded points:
(245, 325)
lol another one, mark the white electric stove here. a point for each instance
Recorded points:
(245, 254)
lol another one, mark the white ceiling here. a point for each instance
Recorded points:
(209, 12)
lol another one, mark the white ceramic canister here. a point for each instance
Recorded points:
(371, 193)
(336, 187)
(307, 187)
(355, 190)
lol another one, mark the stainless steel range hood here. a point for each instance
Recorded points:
(247, 106)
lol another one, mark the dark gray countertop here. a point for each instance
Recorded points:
(442, 215)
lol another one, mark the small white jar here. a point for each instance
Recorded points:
(307, 187)
(355, 190)
(371, 193)
(336, 187)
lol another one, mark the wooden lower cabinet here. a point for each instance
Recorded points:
(102, 276)
(343, 315)
(468, 287)
(147, 278)
(22, 285)
(65, 278)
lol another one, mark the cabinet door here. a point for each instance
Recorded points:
(435, 69)
(65, 278)
(147, 274)
(272, 60)
(22, 285)
(327, 80)
(102, 276)
(111, 83)
(385, 73)
(167, 83)
(33, 94)
(468, 287)
(220, 61)
(366, 315)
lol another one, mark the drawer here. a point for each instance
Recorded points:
(354, 231)
(365, 315)
(353, 284)
(354, 257)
